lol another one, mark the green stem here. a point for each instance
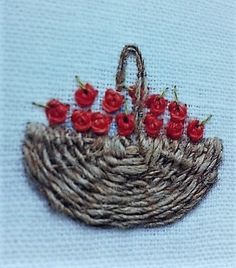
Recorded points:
(206, 120)
(175, 94)
(79, 82)
(163, 93)
(126, 106)
(39, 105)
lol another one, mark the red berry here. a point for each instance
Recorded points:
(100, 123)
(125, 123)
(174, 130)
(112, 101)
(157, 104)
(195, 130)
(178, 112)
(153, 125)
(81, 120)
(85, 95)
(56, 112)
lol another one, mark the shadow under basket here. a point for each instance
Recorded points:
(118, 181)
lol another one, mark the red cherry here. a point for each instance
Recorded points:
(178, 111)
(174, 130)
(195, 129)
(85, 94)
(157, 104)
(125, 123)
(112, 101)
(56, 112)
(100, 123)
(81, 120)
(153, 125)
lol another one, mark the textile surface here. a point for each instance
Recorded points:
(44, 44)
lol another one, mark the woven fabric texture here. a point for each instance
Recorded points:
(44, 44)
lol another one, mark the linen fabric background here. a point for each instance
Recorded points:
(44, 44)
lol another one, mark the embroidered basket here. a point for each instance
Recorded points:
(118, 181)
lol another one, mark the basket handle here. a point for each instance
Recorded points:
(141, 90)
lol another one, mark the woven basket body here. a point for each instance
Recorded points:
(116, 181)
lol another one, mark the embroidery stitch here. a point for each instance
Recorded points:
(150, 180)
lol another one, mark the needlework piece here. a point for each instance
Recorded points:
(153, 171)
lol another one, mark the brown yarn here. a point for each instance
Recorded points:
(118, 181)
(138, 108)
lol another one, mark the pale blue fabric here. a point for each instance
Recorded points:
(44, 44)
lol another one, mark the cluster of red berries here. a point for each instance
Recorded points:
(85, 120)
(157, 105)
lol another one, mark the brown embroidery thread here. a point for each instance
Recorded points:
(118, 181)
